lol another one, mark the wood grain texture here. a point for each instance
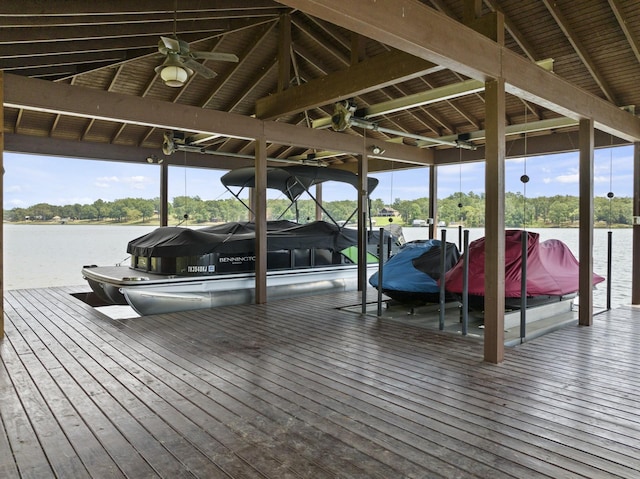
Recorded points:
(301, 389)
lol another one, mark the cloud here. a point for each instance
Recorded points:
(136, 182)
(572, 178)
(108, 179)
(135, 179)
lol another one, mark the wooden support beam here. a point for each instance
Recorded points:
(284, 52)
(40, 95)
(415, 28)
(377, 72)
(433, 201)
(553, 143)
(2, 204)
(635, 272)
(585, 241)
(580, 48)
(471, 11)
(164, 194)
(260, 192)
(358, 52)
(494, 223)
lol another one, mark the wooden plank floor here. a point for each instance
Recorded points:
(299, 389)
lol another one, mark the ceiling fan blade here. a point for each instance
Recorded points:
(171, 43)
(168, 144)
(200, 69)
(223, 57)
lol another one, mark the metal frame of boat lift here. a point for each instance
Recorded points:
(463, 245)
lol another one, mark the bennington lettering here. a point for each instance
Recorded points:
(237, 259)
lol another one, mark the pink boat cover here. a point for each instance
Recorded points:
(551, 267)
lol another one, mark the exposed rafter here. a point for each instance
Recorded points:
(377, 72)
(580, 49)
(401, 24)
(634, 43)
(112, 45)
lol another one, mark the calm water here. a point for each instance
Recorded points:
(37, 256)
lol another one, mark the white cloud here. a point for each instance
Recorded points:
(136, 182)
(135, 179)
(572, 178)
(108, 179)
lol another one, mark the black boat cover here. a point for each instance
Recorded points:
(236, 238)
(293, 181)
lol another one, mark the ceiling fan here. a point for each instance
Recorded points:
(181, 62)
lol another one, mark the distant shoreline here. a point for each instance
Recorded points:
(156, 222)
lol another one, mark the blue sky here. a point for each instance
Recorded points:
(31, 179)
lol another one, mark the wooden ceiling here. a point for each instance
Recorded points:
(297, 59)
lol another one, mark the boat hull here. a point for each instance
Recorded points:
(155, 294)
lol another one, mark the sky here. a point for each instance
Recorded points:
(33, 179)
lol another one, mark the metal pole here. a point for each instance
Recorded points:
(443, 255)
(362, 264)
(460, 237)
(380, 263)
(523, 286)
(465, 286)
(609, 261)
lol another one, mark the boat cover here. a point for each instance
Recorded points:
(236, 238)
(551, 267)
(293, 181)
(415, 268)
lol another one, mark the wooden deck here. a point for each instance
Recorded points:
(299, 389)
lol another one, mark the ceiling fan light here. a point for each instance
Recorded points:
(174, 76)
(173, 72)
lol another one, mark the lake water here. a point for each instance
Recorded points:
(38, 256)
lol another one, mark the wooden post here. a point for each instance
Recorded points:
(433, 201)
(284, 52)
(2, 204)
(585, 243)
(635, 271)
(494, 222)
(260, 196)
(164, 193)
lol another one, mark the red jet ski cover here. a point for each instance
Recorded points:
(551, 267)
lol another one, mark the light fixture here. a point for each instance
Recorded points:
(151, 159)
(377, 150)
(173, 72)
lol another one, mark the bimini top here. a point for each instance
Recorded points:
(293, 181)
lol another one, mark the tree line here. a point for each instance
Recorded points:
(460, 208)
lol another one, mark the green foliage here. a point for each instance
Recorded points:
(465, 208)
